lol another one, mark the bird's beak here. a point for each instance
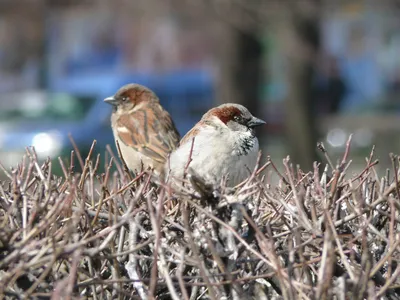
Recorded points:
(111, 100)
(254, 122)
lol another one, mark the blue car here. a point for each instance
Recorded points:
(45, 120)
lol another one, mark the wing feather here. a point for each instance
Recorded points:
(145, 132)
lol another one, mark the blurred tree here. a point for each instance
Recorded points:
(297, 30)
(240, 64)
(299, 36)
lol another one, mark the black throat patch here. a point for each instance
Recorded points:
(246, 144)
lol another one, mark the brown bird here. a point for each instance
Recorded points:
(145, 132)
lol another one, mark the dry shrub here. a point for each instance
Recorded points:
(317, 235)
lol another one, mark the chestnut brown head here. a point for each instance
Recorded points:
(235, 116)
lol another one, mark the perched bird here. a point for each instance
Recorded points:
(224, 144)
(145, 132)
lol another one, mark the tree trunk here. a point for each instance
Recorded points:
(301, 43)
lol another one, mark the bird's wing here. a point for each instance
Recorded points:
(154, 137)
(194, 132)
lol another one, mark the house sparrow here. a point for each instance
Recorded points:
(145, 132)
(224, 144)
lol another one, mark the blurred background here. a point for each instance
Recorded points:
(315, 70)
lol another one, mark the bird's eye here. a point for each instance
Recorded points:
(124, 99)
(236, 118)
